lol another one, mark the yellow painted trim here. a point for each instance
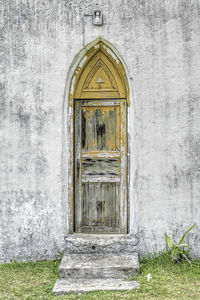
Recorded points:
(99, 56)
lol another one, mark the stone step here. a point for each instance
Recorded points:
(82, 285)
(96, 265)
(100, 243)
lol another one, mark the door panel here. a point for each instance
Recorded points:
(100, 128)
(100, 166)
(100, 207)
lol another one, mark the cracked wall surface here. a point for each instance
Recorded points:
(159, 42)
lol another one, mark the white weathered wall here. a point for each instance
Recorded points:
(159, 41)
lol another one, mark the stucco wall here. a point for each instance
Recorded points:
(159, 42)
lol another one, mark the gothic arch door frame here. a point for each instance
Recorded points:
(98, 165)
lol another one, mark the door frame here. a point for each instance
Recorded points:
(68, 134)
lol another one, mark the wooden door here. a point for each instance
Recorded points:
(100, 166)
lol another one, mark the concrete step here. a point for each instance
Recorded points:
(96, 265)
(81, 285)
(101, 243)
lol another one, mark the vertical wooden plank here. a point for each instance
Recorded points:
(92, 200)
(123, 185)
(118, 128)
(117, 187)
(110, 200)
(77, 165)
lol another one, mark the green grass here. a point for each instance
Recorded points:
(35, 280)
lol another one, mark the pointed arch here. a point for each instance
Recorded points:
(99, 74)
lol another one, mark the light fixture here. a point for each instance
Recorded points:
(97, 18)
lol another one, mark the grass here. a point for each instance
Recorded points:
(35, 280)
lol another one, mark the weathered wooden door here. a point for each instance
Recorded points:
(100, 166)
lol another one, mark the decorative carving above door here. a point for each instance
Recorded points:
(100, 78)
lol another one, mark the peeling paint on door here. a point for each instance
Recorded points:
(100, 166)
(98, 191)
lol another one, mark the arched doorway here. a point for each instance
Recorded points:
(99, 96)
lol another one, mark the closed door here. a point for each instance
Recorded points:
(100, 166)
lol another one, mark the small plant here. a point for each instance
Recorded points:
(177, 251)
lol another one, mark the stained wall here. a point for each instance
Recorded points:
(159, 45)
